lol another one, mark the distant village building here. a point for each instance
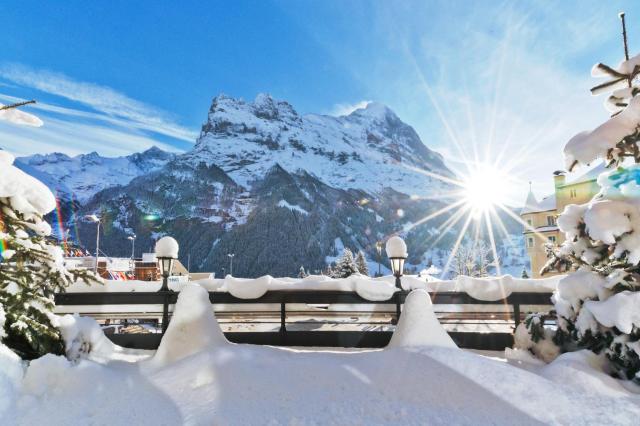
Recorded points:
(542, 215)
(123, 268)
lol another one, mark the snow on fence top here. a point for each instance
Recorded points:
(374, 289)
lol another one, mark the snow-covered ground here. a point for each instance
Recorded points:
(198, 378)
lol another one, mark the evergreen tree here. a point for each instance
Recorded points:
(345, 266)
(602, 246)
(361, 263)
(302, 273)
(31, 267)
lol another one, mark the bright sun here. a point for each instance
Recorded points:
(484, 188)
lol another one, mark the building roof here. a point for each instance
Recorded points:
(546, 228)
(531, 204)
(589, 175)
(548, 203)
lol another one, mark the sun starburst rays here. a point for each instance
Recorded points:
(477, 195)
(490, 156)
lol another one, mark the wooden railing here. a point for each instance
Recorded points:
(284, 337)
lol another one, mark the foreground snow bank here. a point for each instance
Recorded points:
(85, 339)
(242, 384)
(193, 328)
(374, 289)
(418, 325)
(197, 377)
(11, 371)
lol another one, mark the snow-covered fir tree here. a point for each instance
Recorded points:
(361, 263)
(345, 266)
(31, 267)
(302, 273)
(598, 303)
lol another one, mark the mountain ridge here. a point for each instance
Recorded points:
(84, 175)
(278, 189)
(246, 138)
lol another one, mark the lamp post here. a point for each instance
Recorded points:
(132, 238)
(397, 253)
(95, 219)
(166, 253)
(231, 256)
(379, 250)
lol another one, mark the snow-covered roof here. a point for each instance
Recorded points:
(589, 175)
(531, 204)
(544, 229)
(548, 203)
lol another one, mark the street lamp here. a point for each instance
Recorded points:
(132, 238)
(231, 256)
(397, 253)
(95, 219)
(166, 253)
(379, 250)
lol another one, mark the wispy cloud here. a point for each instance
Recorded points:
(505, 83)
(112, 104)
(73, 131)
(346, 108)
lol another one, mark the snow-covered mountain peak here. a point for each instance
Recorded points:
(364, 150)
(54, 157)
(86, 174)
(373, 110)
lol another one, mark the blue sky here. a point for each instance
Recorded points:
(504, 80)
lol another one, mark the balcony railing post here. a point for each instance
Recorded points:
(283, 317)
(165, 312)
(516, 314)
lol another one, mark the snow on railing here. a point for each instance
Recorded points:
(374, 289)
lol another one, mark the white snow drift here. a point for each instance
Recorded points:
(196, 377)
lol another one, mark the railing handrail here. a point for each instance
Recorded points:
(294, 296)
(308, 338)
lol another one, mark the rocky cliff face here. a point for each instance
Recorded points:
(369, 149)
(278, 189)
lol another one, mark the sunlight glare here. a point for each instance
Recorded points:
(484, 188)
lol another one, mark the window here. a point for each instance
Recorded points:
(551, 220)
(529, 242)
(573, 193)
(552, 239)
(529, 222)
